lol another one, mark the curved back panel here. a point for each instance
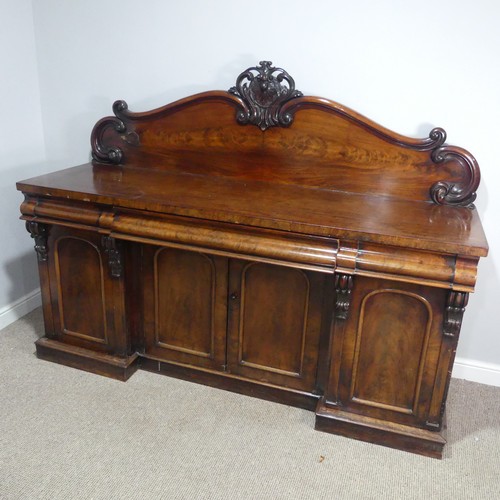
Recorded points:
(266, 131)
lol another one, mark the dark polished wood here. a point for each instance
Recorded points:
(117, 367)
(268, 243)
(185, 306)
(305, 210)
(402, 437)
(400, 324)
(264, 95)
(271, 307)
(233, 383)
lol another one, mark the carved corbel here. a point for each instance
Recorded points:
(454, 312)
(343, 287)
(39, 232)
(111, 249)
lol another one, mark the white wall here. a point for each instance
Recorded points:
(22, 153)
(408, 66)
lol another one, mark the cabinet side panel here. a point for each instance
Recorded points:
(80, 284)
(184, 305)
(275, 302)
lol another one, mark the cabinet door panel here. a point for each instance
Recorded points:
(185, 306)
(275, 323)
(82, 302)
(86, 302)
(282, 325)
(391, 349)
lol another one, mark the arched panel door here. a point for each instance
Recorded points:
(275, 320)
(185, 306)
(82, 300)
(391, 350)
(87, 303)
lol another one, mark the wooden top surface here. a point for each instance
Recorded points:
(288, 207)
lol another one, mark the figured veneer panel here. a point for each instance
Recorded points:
(394, 327)
(283, 247)
(185, 301)
(328, 146)
(406, 264)
(287, 291)
(82, 302)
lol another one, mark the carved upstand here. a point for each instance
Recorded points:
(268, 243)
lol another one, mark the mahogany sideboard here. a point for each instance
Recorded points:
(268, 243)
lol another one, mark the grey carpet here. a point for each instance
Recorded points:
(66, 434)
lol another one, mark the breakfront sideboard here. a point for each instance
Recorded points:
(268, 243)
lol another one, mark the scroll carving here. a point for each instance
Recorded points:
(39, 232)
(343, 287)
(444, 192)
(114, 256)
(437, 138)
(454, 312)
(263, 93)
(460, 194)
(111, 154)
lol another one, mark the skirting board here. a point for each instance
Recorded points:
(19, 308)
(477, 371)
(468, 369)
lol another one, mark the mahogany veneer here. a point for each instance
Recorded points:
(267, 243)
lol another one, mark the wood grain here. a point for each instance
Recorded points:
(320, 212)
(185, 306)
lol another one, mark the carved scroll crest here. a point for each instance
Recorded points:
(263, 92)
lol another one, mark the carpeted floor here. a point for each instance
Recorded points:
(67, 434)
